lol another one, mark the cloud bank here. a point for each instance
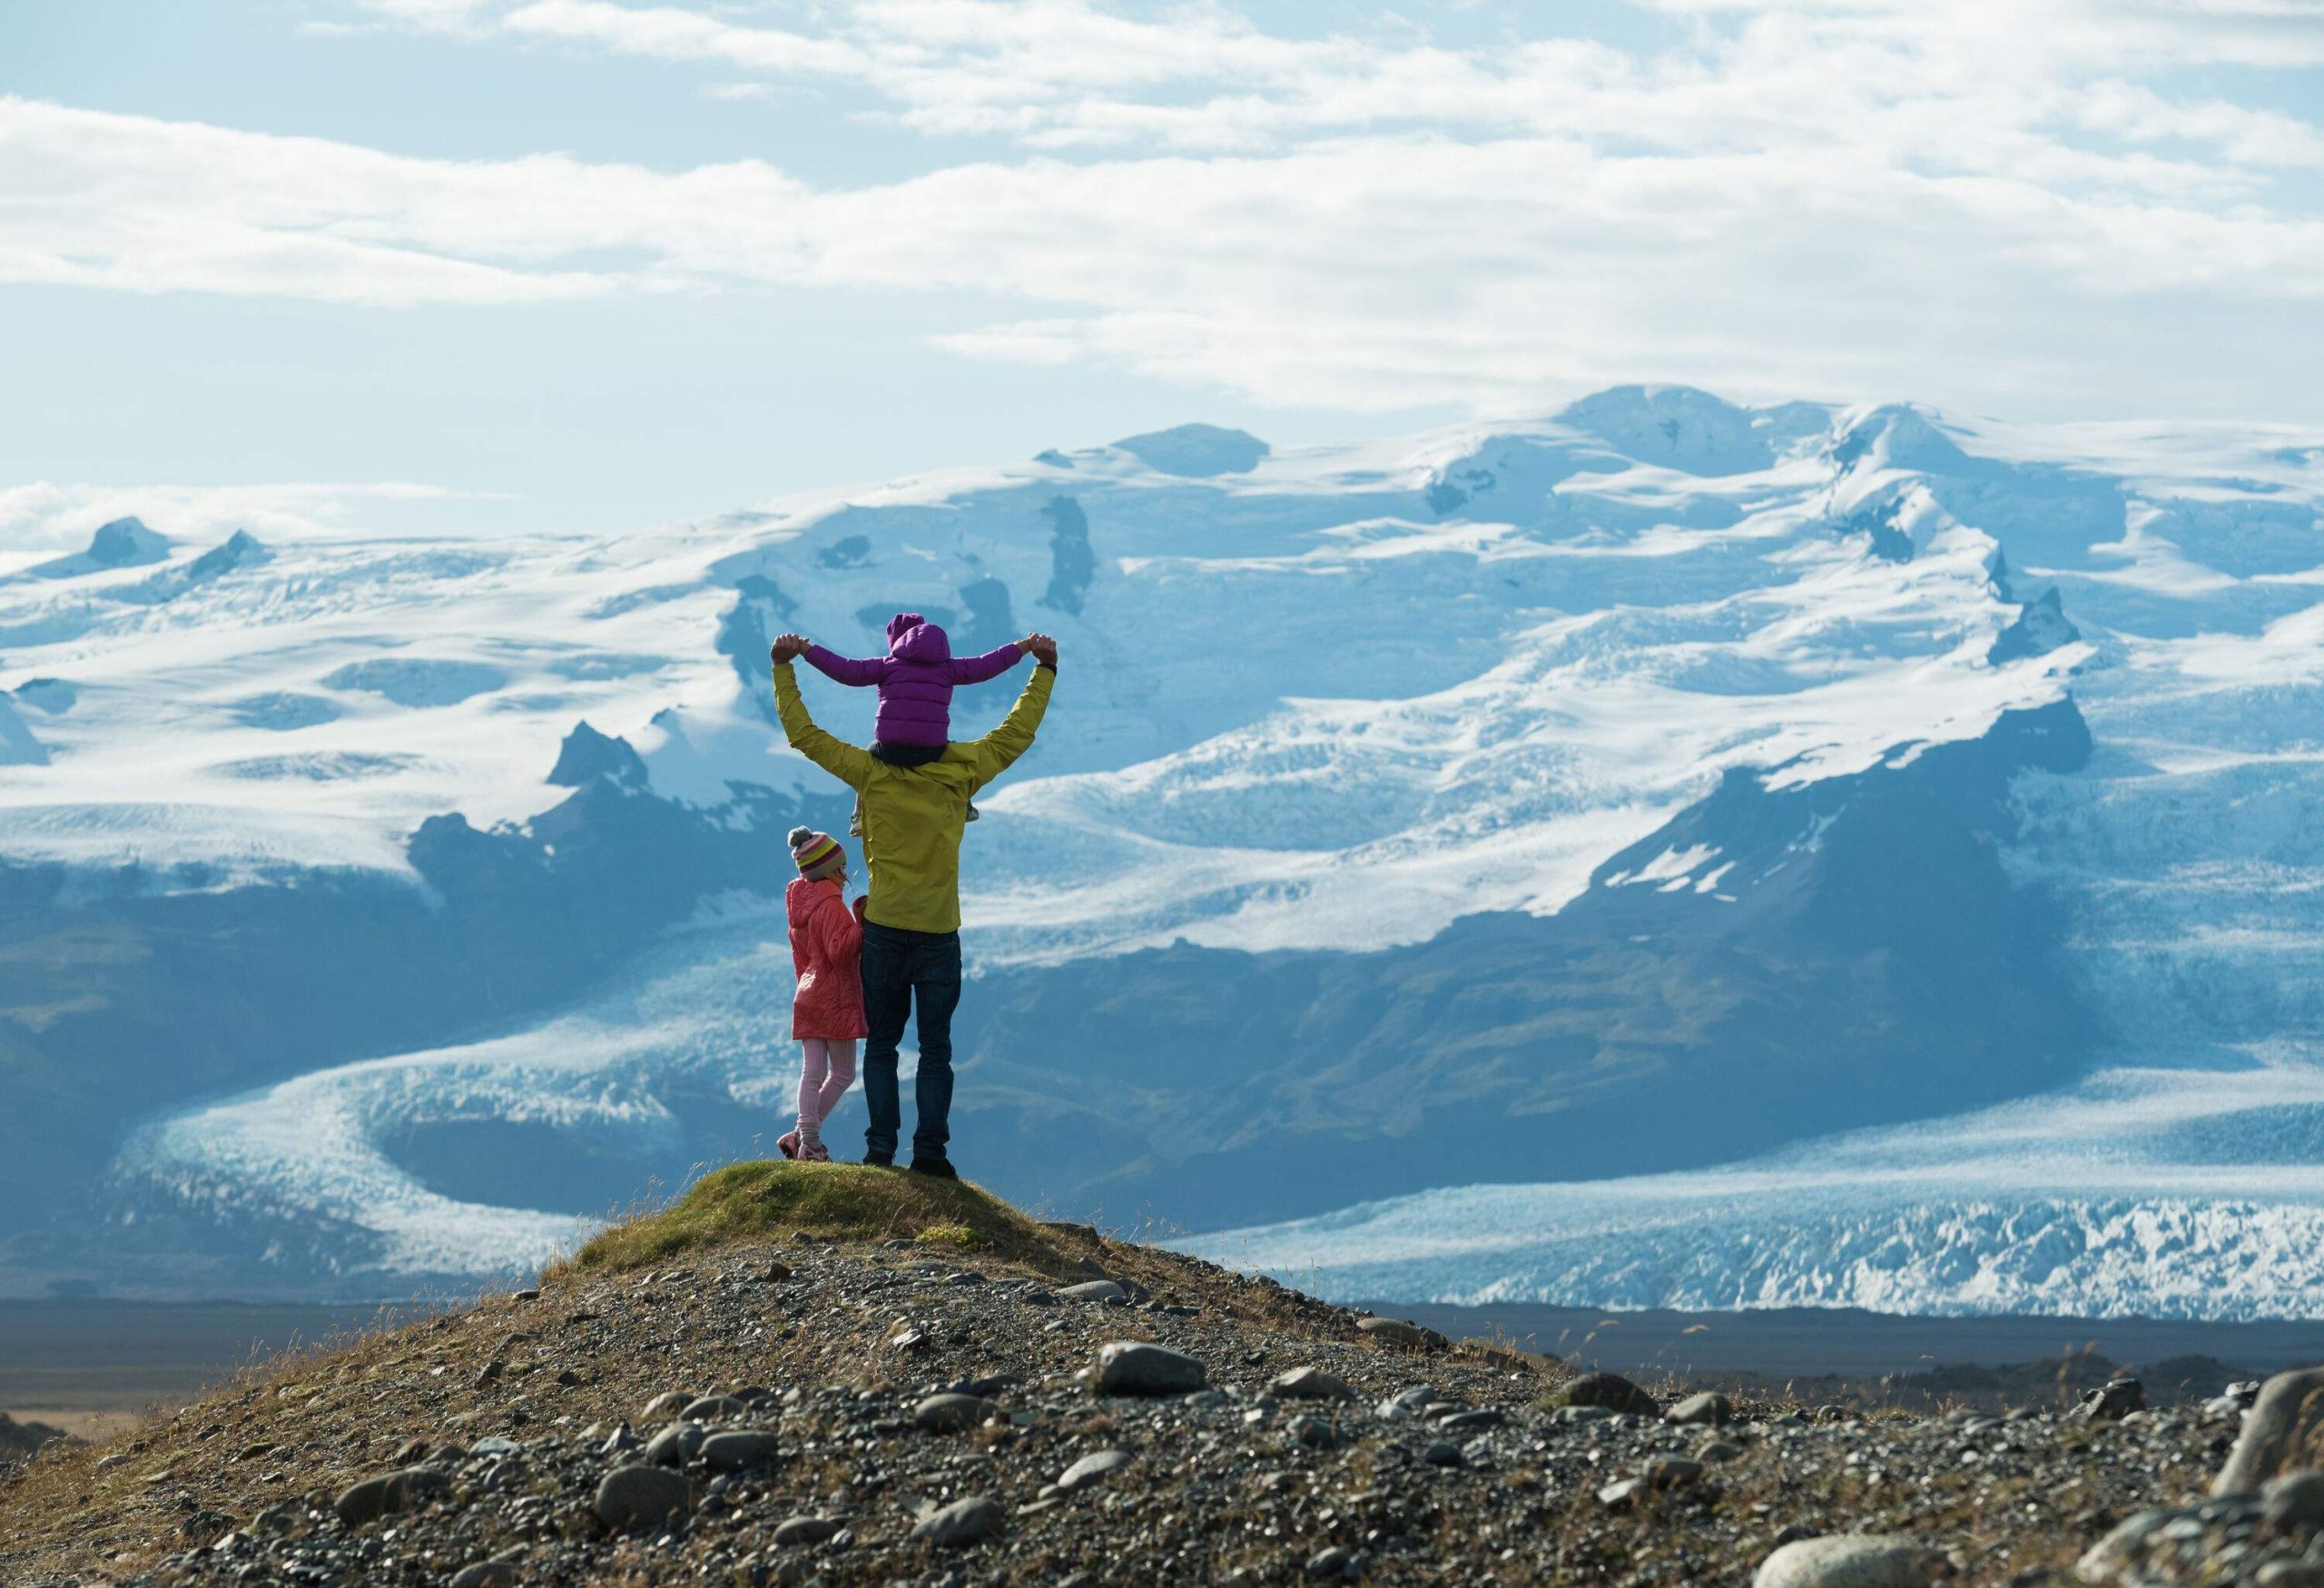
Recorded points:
(1979, 203)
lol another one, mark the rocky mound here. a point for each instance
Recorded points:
(827, 1373)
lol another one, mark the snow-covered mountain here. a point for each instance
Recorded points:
(1670, 853)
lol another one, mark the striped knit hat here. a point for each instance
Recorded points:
(819, 855)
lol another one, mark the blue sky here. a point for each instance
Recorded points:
(461, 265)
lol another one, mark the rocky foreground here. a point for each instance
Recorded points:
(917, 1385)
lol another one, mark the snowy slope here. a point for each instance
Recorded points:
(1325, 701)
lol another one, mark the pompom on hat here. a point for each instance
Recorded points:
(817, 855)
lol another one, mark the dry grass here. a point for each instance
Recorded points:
(848, 1203)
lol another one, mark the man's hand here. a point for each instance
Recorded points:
(1041, 648)
(787, 646)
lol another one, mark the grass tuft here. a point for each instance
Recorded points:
(844, 1202)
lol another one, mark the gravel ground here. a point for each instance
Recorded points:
(819, 1454)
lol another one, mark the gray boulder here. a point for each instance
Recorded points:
(962, 1522)
(711, 1408)
(1396, 1332)
(1852, 1560)
(805, 1530)
(1091, 1467)
(666, 1404)
(2283, 1430)
(1701, 1408)
(1671, 1472)
(2110, 1402)
(676, 1444)
(1621, 1494)
(1613, 1391)
(1405, 1403)
(949, 1414)
(1138, 1367)
(2121, 1548)
(2294, 1501)
(1100, 1290)
(1311, 1384)
(631, 1497)
(389, 1492)
(739, 1449)
(492, 1573)
(1316, 1432)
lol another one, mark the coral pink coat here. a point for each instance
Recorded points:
(826, 944)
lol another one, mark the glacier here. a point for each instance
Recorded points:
(2176, 1193)
(1659, 670)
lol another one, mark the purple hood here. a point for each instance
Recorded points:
(916, 678)
(912, 638)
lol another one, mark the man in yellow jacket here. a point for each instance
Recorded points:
(913, 820)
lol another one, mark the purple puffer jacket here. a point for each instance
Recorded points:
(915, 678)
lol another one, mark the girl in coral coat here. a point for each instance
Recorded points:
(827, 1011)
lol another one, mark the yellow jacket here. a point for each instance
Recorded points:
(912, 816)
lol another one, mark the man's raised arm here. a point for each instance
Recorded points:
(989, 756)
(843, 761)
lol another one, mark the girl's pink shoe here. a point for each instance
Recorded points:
(814, 1152)
(788, 1144)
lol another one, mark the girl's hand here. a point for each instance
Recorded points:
(860, 901)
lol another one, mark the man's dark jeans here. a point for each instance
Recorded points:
(901, 968)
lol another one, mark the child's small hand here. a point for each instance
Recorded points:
(1042, 649)
(860, 901)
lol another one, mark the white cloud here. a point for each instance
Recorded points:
(1066, 73)
(1966, 201)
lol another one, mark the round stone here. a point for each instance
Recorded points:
(738, 1449)
(1611, 1391)
(949, 1414)
(1396, 1332)
(1701, 1408)
(1311, 1384)
(1091, 1468)
(962, 1522)
(1139, 1368)
(712, 1408)
(805, 1530)
(1851, 1560)
(631, 1497)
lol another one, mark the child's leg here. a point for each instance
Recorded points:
(842, 1055)
(814, 1065)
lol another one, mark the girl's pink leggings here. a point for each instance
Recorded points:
(825, 1072)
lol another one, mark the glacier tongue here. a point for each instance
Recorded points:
(2138, 1192)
